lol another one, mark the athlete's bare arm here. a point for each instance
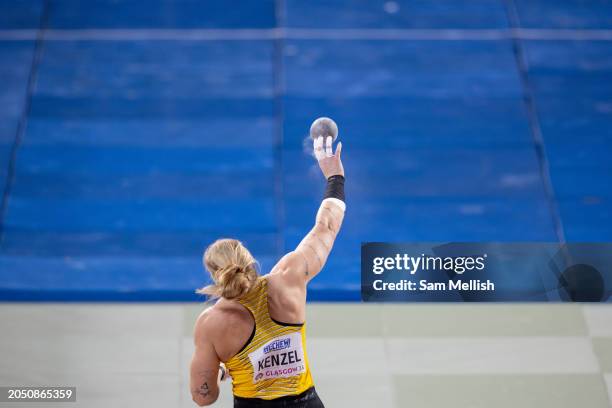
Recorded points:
(204, 374)
(303, 264)
(317, 244)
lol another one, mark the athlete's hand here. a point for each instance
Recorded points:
(330, 163)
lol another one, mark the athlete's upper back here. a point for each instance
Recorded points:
(273, 361)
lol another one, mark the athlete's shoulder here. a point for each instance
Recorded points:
(210, 319)
(215, 313)
(205, 324)
(216, 318)
(290, 269)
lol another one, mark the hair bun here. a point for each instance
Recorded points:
(232, 268)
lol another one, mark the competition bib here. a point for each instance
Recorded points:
(281, 357)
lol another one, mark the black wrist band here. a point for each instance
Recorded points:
(335, 187)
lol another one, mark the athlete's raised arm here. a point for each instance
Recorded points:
(303, 264)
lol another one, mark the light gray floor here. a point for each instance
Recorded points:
(137, 355)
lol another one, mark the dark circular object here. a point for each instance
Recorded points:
(582, 283)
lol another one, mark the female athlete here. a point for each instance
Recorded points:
(255, 332)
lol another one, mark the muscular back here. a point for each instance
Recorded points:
(229, 325)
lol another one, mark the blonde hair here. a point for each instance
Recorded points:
(232, 268)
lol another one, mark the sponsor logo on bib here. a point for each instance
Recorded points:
(279, 358)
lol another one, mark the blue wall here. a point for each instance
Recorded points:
(131, 137)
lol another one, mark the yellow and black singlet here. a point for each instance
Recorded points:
(273, 363)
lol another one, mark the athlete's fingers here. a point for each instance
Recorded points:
(339, 150)
(328, 147)
(318, 148)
